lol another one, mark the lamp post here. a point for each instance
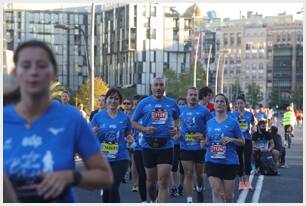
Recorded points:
(78, 27)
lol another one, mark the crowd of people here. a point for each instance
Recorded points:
(160, 139)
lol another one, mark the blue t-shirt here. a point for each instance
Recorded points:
(138, 138)
(192, 120)
(48, 145)
(112, 133)
(159, 114)
(217, 152)
(213, 114)
(245, 123)
(261, 115)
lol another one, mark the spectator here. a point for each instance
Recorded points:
(204, 97)
(279, 146)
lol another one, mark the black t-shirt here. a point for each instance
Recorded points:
(262, 139)
(277, 139)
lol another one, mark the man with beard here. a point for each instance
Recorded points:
(160, 120)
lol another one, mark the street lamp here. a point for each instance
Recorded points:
(78, 27)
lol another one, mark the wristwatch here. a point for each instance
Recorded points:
(77, 178)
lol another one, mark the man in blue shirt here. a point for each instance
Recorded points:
(160, 120)
(193, 119)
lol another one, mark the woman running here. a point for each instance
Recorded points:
(41, 136)
(221, 156)
(113, 129)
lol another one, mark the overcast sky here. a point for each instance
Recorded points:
(223, 10)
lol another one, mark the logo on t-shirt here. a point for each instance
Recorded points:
(34, 141)
(55, 131)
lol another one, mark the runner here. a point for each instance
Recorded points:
(113, 128)
(246, 123)
(137, 155)
(221, 156)
(41, 136)
(65, 97)
(159, 124)
(193, 119)
(204, 97)
(101, 107)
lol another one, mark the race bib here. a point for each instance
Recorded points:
(218, 151)
(110, 150)
(243, 125)
(190, 138)
(159, 116)
(262, 144)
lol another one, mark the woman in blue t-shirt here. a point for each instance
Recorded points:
(41, 136)
(221, 156)
(246, 123)
(113, 129)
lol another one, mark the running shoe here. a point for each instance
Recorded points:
(241, 185)
(134, 189)
(173, 192)
(180, 190)
(248, 185)
(200, 198)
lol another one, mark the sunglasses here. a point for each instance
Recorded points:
(127, 103)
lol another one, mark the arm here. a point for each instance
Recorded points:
(9, 194)
(271, 143)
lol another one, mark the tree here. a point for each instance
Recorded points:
(56, 89)
(236, 90)
(82, 94)
(254, 95)
(297, 98)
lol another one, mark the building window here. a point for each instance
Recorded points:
(288, 36)
(153, 11)
(232, 39)
(225, 38)
(278, 37)
(239, 38)
(175, 34)
(151, 34)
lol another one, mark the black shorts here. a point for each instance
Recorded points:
(154, 157)
(195, 156)
(222, 171)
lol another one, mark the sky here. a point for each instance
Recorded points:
(223, 10)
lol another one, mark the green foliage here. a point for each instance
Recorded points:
(56, 89)
(177, 84)
(236, 90)
(254, 95)
(83, 93)
(297, 98)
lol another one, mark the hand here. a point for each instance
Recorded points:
(96, 129)
(225, 140)
(54, 183)
(129, 139)
(150, 130)
(173, 131)
(203, 143)
(198, 136)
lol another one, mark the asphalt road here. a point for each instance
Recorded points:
(286, 188)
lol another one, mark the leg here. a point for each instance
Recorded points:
(188, 174)
(119, 169)
(174, 169)
(134, 172)
(229, 190)
(275, 154)
(200, 184)
(163, 171)
(217, 189)
(240, 151)
(151, 174)
(141, 175)
(247, 162)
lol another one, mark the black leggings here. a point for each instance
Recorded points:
(176, 159)
(119, 169)
(141, 174)
(245, 158)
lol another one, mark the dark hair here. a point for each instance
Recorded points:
(66, 91)
(11, 97)
(113, 91)
(79, 104)
(261, 122)
(203, 92)
(36, 43)
(274, 129)
(241, 97)
(180, 99)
